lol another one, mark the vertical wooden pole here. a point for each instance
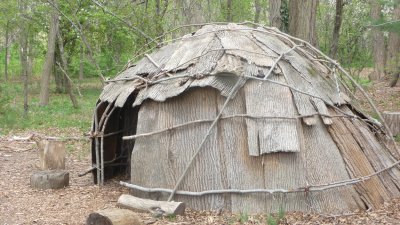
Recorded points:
(102, 143)
(96, 141)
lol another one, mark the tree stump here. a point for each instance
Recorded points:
(113, 216)
(392, 119)
(49, 179)
(51, 154)
(148, 205)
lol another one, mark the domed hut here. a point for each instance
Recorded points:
(246, 120)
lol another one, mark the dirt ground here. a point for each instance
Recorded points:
(20, 204)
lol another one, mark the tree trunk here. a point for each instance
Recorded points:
(336, 28)
(393, 53)
(192, 12)
(81, 63)
(257, 12)
(378, 41)
(275, 19)
(229, 16)
(49, 63)
(24, 55)
(63, 68)
(51, 154)
(302, 17)
(6, 50)
(25, 69)
(59, 80)
(29, 68)
(160, 12)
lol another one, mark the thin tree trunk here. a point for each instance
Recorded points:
(29, 69)
(24, 55)
(192, 11)
(59, 80)
(175, 19)
(63, 68)
(160, 12)
(378, 41)
(49, 63)
(275, 19)
(229, 16)
(393, 53)
(336, 28)
(257, 12)
(81, 64)
(25, 76)
(6, 50)
(302, 17)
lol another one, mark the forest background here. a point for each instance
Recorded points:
(55, 55)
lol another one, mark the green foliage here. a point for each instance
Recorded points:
(387, 22)
(354, 48)
(275, 219)
(113, 41)
(243, 217)
(59, 113)
(171, 217)
(285, 15)
(364, 82)
(8, 110)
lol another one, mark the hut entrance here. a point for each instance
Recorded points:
(112, 124)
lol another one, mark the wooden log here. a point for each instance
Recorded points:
(392, 119)
(49, 179)
(113, 216)
(147, 205)
(51, 154)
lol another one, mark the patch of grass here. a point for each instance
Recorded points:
(275, 219)
(59, 113)
(397, 138)
(243, 217)
(364, 82)
(171, 217)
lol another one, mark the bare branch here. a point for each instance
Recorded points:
(105, 10)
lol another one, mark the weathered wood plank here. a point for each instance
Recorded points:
(376, 153)
(325, 87)
(271, 135)
(303, 102)
(174, 149)
(247, 49)
(147, 150)
(147, 205)
(113, 216)
(239, 169)
(324, 164)
(187, 51)
(372, 191)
